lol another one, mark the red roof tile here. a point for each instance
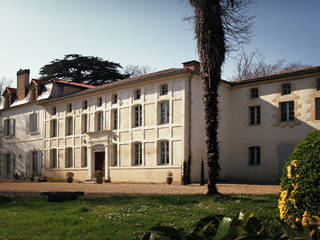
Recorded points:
(75, 84)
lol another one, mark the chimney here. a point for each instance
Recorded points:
(192, 65)
(22, 83)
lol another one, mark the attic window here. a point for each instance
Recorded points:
(318, 84)
(99, 102)
(164, 89)
(60, 90)
(54, 110)
(254, 92)
(69, 107)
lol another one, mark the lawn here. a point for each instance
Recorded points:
(119, 217)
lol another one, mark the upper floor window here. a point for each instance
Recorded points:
(114, 98)
(137, 94)
(69, 126)
(254, 113)
(99, 121)
(254, 155)
(164, 112)
(84, 123)
(53, 158)
(9, 127)
(138, 116)
(286, 88)
(33, 122)
(317, 104)
(164, 152)
(69, 160)
(53, 128)
(99, 102)
(84, 104)
(114, 117)
(138, 153)
(164, 89)
(254, 92)
(69, 107)
(287, 111)
(60, 90)
(54, 111)
(318, 84)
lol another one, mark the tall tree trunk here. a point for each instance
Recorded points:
(211, 47)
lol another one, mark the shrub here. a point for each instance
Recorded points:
(300, 183)
(69, 174)
(98, 174)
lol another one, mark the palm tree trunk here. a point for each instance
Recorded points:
(211, 47)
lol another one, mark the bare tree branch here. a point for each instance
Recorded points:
(136, 70)
(4, 83)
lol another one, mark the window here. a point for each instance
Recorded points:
(34, 162)
(69, 126)
(164, 152)
(164, 112)
(69, 162)
(254, 113)
(8, 164)
(164, 89)
(53, 158)
(84, 123)
(54, 111)
(318, 84)
(114, 119)
(99, 121)
(317, 104)
(254, 155)
(33, 122)
(254, 92)
(99, 102)
(69, 107)
(114, 98)
(53, 128)
(286, 88)
(287, 111)
(138, 153)
(138, 116)
(60, 90)
(9, 127)
(84, 162)
(84, 104)
(114, 155)
(137, 94)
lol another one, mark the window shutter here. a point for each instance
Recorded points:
(1, 165)
(39, 170)
(27, 164)
(27, 123)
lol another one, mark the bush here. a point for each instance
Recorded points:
(300, 183)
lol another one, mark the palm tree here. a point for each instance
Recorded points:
(213, 21)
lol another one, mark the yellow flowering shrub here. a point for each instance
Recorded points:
(300, 183)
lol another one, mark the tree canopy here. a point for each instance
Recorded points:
(82, 69)
(253, 64)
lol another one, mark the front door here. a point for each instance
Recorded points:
(99, 160)
(284, 151)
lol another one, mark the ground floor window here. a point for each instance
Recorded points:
(254, 155)
(114, 155)
(84, 162)
(164, 152)
(7, 165)
(138, 153)
(68, 157)
(53, 158)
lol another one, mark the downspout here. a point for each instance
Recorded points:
(189, 119)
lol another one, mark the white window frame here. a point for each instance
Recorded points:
(99, 121)
(164, 89)
(286, 106)
(164, 152)
(137, 115)
(137, 153)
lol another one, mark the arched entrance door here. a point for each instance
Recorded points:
(99, 157)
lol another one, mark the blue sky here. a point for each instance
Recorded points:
(142, 32)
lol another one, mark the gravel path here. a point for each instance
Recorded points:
(92, 189)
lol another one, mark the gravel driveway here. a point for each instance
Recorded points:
(92, 189)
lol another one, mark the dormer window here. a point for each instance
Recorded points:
(164, 89)
(60, 90)
(286, 89)
(254, 92)
(114, 98)
(137, 94)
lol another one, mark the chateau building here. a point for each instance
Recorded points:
(138, 129)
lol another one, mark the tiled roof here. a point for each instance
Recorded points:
(128, 81)
(75, 84)
(39, 82)
(294, 73)
(11, 90)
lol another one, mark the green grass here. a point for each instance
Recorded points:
(119, 217)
